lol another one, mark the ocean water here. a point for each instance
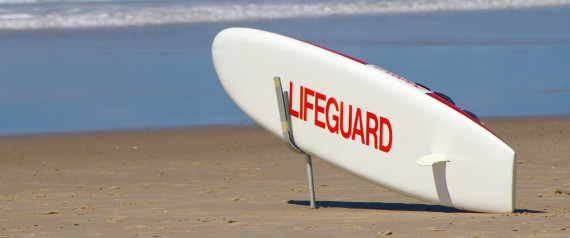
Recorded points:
(89, 65)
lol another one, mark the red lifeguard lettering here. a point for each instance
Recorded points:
(357, 129)
(384, 122)
(345, 134)
(332, 129)
(376, 131)
(372, 130)
(308, 105)
(319, 109)
(291, 111)
(301, 103)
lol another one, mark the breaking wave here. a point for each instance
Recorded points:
(44, 14)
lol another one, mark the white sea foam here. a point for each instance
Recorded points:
(42, 14)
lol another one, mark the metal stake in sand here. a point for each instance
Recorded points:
(288, 135)
(310, 178)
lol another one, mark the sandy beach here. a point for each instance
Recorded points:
(239, 181)
(110, 67)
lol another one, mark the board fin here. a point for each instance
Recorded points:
(431, 159)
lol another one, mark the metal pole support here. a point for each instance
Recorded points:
(311, 184)
(283, 104)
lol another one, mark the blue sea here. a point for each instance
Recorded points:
(92, 65)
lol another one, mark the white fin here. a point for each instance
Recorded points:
(431, 159)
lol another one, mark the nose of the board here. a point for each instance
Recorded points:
(225, 36)
(220, 40)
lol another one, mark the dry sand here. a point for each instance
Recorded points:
(243, 182)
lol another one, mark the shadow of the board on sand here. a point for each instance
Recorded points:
(393, 206)
(527, 211)
(382, 206)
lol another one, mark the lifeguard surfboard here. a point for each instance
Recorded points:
(367, 120)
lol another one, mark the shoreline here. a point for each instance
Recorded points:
(214, 127)
(207, 127)
(241, 181)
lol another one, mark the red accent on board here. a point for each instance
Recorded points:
(401, 78)
(442, 100)
(338, 53)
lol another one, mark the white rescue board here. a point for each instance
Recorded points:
(367, 120)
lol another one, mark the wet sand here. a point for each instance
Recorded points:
(239, 181)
